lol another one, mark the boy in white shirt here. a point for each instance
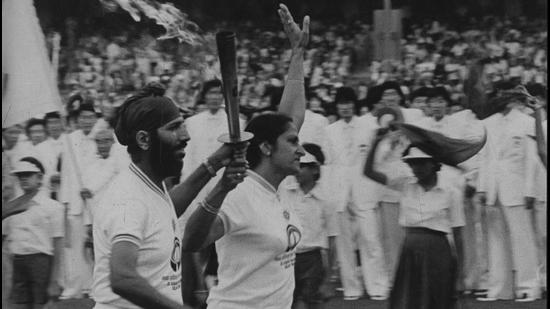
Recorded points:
(315, 251)
(35, 240)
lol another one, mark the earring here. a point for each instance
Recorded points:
(268, 153)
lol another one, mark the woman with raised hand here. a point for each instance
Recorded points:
(254, 228)
(429, 210)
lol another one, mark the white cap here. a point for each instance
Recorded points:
(416, 153)
(25, 167)
(308, 158)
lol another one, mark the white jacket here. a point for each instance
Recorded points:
(508, 160)
(344, 171)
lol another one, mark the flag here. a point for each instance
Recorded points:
(449, 151)
(28, 83)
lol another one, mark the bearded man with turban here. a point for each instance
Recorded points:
(137, 239)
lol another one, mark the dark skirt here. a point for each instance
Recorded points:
(425, 277)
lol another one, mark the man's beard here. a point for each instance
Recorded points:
(163, 158)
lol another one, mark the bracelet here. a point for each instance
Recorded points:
(209, 168)
(209, 208)
(301, 81)
(200, 291)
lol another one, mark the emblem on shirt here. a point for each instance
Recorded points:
(293, 236)
(175, 258)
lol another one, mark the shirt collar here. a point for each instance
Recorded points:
(146, 180)
(261, 181)
(295, 186)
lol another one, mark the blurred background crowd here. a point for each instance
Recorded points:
(105, 58)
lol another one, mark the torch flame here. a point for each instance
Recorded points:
(175, 22)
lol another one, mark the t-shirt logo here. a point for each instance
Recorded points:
(175, 258)
(293, 235)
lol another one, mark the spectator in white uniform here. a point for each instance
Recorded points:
(507, 186)
(204, 130)
(355, 199)
(540, 210)
(50, 150)
(12, 146)
(388, 160)
(314, 253)
(77, 154)
(438, 101)
(466, 125)
(35, 128)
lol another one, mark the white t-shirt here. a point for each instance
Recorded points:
(439, 209)
(257, 252)
(33, 230)
(134, 209)
(317, 218)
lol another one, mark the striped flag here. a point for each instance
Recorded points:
(28, 81)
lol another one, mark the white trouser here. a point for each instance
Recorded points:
(361, 232)
(76, 266)
(512, 252)
(541, 237)
(475, 247)
(392, 236)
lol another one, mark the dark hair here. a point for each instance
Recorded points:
(316, 151)
(344, 95)
(266, 128)
(373, 96)
(392, 85)
(537, 90)
(439, 91)
(86, 105)
(52, 115)
(420, 92)
(33, 122)
(213, 83)
(35, 162)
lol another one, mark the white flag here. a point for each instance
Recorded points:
(28, 81)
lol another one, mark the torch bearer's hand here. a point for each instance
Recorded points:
(226, 153)
(235, 172)
(298, 38)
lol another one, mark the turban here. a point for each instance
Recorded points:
(147, 111)
(449, 151)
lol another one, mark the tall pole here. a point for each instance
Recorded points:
(387, 5)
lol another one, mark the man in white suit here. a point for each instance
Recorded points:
(389, 95)
(507, 186)
(204, 129)
(347, 142)
(78, 152)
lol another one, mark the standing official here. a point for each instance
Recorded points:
(354, 196)
(507, 186)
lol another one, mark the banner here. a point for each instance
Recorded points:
(28, 81)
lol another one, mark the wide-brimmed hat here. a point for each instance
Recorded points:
(25, 167)
(308, 158)
(416, 153)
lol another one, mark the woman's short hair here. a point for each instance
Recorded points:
(266, 128)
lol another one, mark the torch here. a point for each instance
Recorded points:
(225, 41)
